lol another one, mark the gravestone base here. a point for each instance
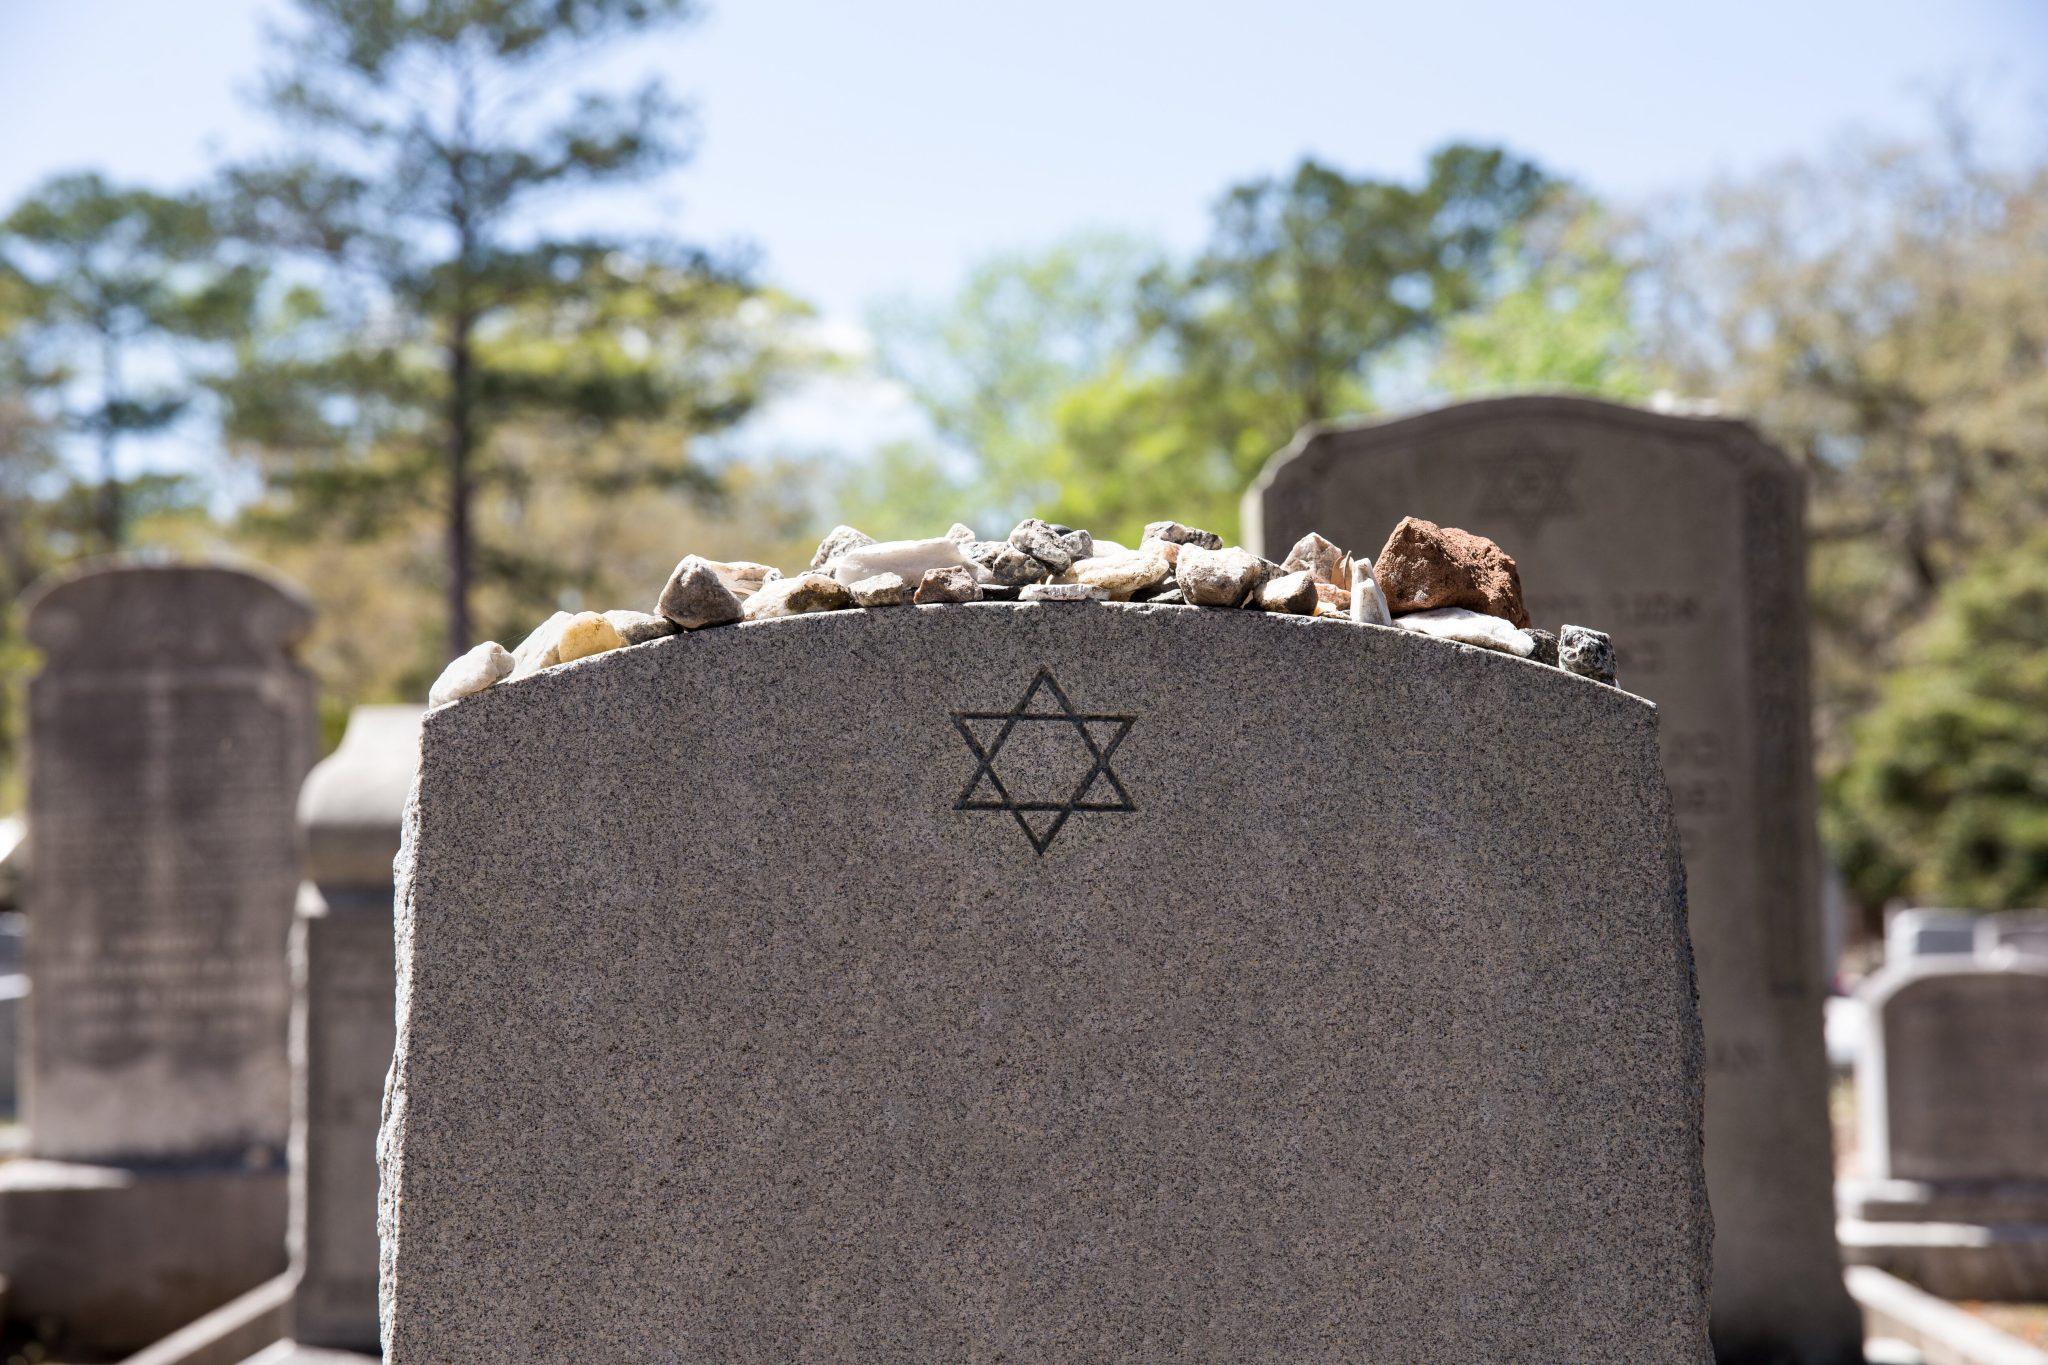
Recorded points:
(118, 1256)
(1964, 1239)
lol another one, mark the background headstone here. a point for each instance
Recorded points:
(2016, 931)
(168, 731)
(1952, 1096)
(1682, 538)
(1043, 981)
(342, 1025)
(1910, 934)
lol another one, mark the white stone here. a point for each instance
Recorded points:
(807, 592)
(1061, 592)
(471, 673)
(542, 648)
(742, 577)
(1120, 574)
(909, 560)
(1369, 604)
(1469, 628)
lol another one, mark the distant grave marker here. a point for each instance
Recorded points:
(168, 731)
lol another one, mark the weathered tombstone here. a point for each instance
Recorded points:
(1952, 1096)
(1929, 933)
(2024, 932)
(1682, 538)
(168, 731)
(342, 1027)
(1043, 981)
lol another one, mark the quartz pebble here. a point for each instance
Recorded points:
(1121, 576)
(1169, 550)
(883, 590)
(1321, 559)
(954, 583)
(1218, 578)
(586, 634)
(540, 649)
(807, 592)
(1291, 593)
(471, 673)
(1169, 596)
(1546, 647)
(1062, 592)
(697, 596)
(1586, 652)
(743, 577)
(638, 627)
(907, 559)
(1006, 564)
(1332, 600)
(837, 542)
(1368, 603)
(1424, 565)
(1469, 628)
(1178, 534)
(961, 532)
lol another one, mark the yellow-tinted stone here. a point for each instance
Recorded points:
(588, 633)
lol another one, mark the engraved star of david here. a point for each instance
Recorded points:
(1528, 488)
(1073, 749)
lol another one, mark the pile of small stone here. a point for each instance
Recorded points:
(1427, 578)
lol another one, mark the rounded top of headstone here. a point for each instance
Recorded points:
(1945, 971)
(353, 800)
(118, 611)
(1316, 446)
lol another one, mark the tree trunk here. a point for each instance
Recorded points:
(461, 436)
(110, 511)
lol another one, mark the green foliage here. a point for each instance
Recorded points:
(1944, 798)
(1561, 319)
(101, 277)
(444, 348)
(1103, 384)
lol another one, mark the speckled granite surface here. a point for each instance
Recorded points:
(1347, 1012)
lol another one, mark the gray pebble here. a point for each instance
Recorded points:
(1042, 543)
(1178, 534)
(638, 627)
(955, 583)
(881, 590)
(1062, 592)
(1588, 653)
(1006, 563)
(837, 542)
(696, 596)
(1546, 647)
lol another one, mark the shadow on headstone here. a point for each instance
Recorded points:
(1682, 538)
(168, 732)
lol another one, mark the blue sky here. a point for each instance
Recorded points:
(877, 149)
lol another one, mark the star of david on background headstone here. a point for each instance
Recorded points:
(1528, 488)
(1042, 761)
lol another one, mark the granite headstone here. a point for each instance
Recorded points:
(342, 1026)
(1952, 1095)
(1043, 981)
(168, 731)
(1682, 538)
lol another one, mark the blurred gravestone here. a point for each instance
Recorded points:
(1952, 1094)
(1043, 996)
(1681, 537)
(2024, 932)
(342, 1026)
(1929, 933)
(168, 732)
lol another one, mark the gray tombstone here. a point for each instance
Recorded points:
(1910, 934)
(1952, 1095)
(168, 731)
(2024, 932)
(342, 1024)
(1043, 981)
(1682, 538)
